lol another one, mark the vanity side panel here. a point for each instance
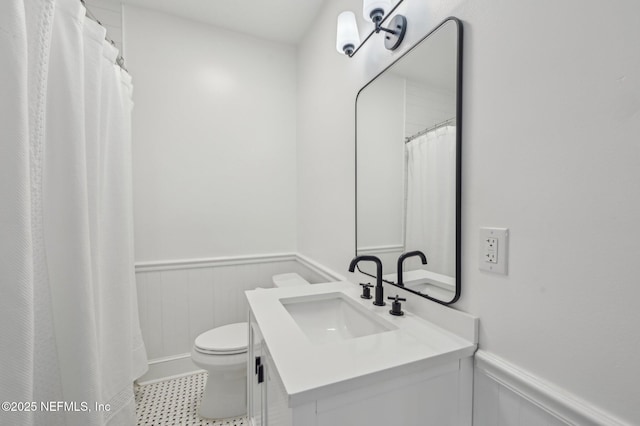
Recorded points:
(305, 415)
(431, 402)
(373, 387)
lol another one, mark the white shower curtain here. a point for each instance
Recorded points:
(68, 309)
(430, 199)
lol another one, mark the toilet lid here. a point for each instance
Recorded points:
(228, 339)
(290, 279)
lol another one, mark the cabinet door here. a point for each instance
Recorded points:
(278, 412)
(256, 390)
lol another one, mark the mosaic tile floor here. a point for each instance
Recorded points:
(175, 402)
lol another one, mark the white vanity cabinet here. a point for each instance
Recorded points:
(267, 400)
(392, 378)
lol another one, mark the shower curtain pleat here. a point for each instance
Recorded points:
(46, 384)
(16, 250)
(430, 199)
(68, 305)
(139, 359)
(93, 37)
(66, 216)
(115, 264)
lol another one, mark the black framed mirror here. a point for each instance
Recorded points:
(408, 167)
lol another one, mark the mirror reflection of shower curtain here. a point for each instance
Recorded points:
(430, 199)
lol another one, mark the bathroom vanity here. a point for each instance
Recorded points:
(321, 355)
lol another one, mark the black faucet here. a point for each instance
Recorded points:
(405, 256)
(379, 299)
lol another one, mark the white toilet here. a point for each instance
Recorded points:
(223, 353)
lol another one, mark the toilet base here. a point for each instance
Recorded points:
(225, 392)
(224, 397)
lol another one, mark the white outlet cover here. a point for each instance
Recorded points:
(502, 235)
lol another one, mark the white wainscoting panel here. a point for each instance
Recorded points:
(505, 395)
(178, 304)
(497, 405)
(178, 300)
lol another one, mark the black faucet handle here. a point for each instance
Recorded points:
(366, 290)
(396, 307)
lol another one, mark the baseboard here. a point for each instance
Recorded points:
(167, 368)
(548, 397)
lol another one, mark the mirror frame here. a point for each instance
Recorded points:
(458, 173)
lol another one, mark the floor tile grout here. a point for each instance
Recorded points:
(175, 402)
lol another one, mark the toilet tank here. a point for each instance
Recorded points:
(289, 280)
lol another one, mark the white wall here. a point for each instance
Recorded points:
(214, 176)
(550, 130)
(214, 139)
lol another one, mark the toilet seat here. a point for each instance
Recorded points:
(228, 339)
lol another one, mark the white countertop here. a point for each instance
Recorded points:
(311, 371)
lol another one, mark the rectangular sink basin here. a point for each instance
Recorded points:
(333, 317)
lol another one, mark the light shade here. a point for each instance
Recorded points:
(369, 6)
(347, 38)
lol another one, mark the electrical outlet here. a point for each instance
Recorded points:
(491, 244)
(493, 249)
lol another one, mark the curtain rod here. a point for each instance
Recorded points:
(90, 15)
(444, 123)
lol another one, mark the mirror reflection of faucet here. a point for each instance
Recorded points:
(379, 299)
(405, 256)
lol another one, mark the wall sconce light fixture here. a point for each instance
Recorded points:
(376, 11)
